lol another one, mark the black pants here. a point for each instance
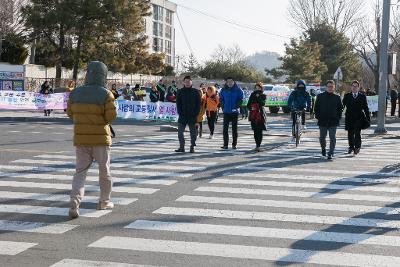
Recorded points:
(354, 137)
(199, 129)
(181, 137)
(258, 136)
(228, 118)
(393, 109)
(211, 118)
(303, 120)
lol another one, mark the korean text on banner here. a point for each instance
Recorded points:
(147, 111)
(15, 100)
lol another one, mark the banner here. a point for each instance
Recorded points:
(32, 101)
(373, 103)
(139, 110)
(275, 98)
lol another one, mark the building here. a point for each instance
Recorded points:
(160, 29)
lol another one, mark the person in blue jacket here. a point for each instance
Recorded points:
(299, 100)
(231, 98)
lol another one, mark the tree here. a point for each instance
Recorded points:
(336, 51)
(191, 66)
(342, 15)
(13, 49)
(302, 60)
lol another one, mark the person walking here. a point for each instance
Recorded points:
(45, 89)
(231, 98)
(212, 102)
(188, 107)
(92, 109)
(257, 115)
(328, 111)
(200, 117)
(393, 101)
(357, 116)
(313, 96)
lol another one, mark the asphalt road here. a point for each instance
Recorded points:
(281, 207)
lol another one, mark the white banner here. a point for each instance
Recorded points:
(147, 111)
(373, 103)
(30, 101)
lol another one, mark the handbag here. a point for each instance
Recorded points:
(112, 131)
(365, 123)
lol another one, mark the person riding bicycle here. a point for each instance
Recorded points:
(299, 100)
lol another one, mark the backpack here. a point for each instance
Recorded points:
(255, 114)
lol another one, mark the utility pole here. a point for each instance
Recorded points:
(383, 68)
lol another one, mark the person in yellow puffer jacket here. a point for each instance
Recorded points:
(92, 109)
(200, 117)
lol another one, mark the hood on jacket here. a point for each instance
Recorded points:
(96, 74)
(301, 82)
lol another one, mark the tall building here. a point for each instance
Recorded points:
(160, 29)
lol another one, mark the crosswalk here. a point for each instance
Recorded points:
(285, 206)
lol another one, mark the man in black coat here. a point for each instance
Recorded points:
(393, 101)
(357, 116)
(188, 106)
(328, 111)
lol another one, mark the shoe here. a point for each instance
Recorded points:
(330, 156)
(224, 147)
(180, 150)
(73, 212)
(323, 152)
(350, 150)
(234, 147)
(356, 151)
(257, 149)
(192, 149)
(211, 136)
(105, 205)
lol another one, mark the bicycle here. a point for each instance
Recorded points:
(297, 129)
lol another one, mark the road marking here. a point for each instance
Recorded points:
(280, 217)
(367, 188)
(14, 248)
(36, 227)
(85, 263)
(59, 197)
(47, 176)
(245, 252)
(281, 233)
(52, 211)
(287, 204)
(88, 188)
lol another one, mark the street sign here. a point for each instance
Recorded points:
(338, 74)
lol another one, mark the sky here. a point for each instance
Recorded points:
(204, 33)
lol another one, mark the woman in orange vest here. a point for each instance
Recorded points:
(212, 102)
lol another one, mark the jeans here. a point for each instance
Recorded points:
(211, 118)
(228, 118)
(181, 137)
(84, 159)
(258, 136)
(323, 131)
(354, 137)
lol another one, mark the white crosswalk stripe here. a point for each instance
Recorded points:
(85, 263)
(14, 248)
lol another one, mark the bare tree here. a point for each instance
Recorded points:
(343, 15)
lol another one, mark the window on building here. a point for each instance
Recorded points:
(160, 29)
(155, 28)
(158, 12)
(158, 45)
(168, 32)
(168, 16)
(168, 60)
(168, 47)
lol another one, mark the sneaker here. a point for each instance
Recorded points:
(105, 205)
(224, 147)
(257, 149)
(356, 151)
(73, 210)
(234, 147)
(180, 150)
(192, 149)
(330, 156)
(211, 136)
(323, 152)
(350, 150)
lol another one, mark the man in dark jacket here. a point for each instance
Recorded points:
(328, 111)
(231, 98)
(188, 106)
(393, 101)
(357, 116)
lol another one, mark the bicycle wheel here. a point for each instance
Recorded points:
(298, 134)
